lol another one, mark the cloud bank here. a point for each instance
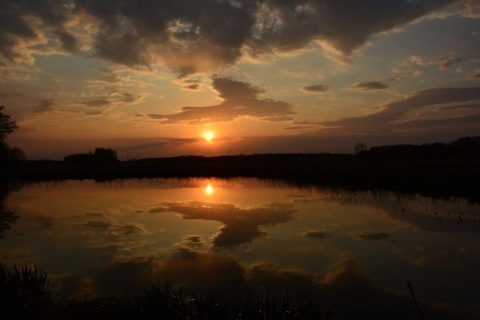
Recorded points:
(403, 114)
(199, 36)
(240, 99)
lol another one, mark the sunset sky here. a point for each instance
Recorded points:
(150, 78)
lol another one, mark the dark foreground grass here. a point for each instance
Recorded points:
(24, 294)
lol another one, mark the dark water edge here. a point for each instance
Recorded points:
(432, 178)
(25, 295)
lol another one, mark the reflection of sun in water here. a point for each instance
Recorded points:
(208, 136)
(209, 189)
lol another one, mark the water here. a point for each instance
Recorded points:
(354, 251)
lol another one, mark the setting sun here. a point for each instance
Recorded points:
(209, 189)
(208, 136)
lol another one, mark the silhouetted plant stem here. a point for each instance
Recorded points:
(415, 301)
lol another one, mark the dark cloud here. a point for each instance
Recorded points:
(240, 99)
(97, 103)
(317, 234)
(372, 85)
(319, 88)
(192, 242)
(24, 23)
(447, 60)
(197, 36)
(241, 225)
(44, 221)
(6, 95)
(387, 118)
(371, 235)
(94, 113)
(463, 106)
(475, 75)
(43, 105)
(192, 85)
(343, 26)
(130, 97)
(188, 36)
(113, 228)
(99, 224)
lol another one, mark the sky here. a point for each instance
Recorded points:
(149, 78)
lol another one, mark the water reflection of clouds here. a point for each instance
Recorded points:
(437, 215)
(109, 225)
(371, 235)
(240, 224)
(317, 234)
(191, 242)
(343, 285)
(104, 231)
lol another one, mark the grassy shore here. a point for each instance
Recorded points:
(24, 294)
(429, 177)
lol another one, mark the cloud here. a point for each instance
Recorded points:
(317, 234)
(319, 88)
(191, 84)
(447, 60)
(442, 62)
(240, 99)
(394, 114)
(475, 75)
(94, 113)
(43, 105)
(97, 102)
(111, 227)
(198, 36)
(367, 86)
(371, 235)
(241, 225)
(341, 27)
(131, 97)
(191, 242)
(6, 95)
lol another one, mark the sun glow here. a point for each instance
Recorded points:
(208, 136)
(209, 189)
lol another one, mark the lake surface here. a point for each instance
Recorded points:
(352, 250)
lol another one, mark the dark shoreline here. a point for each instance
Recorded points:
(458, 177)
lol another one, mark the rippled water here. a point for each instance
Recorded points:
(354, 251)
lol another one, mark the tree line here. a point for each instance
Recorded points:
(460, 149)
(100, 155)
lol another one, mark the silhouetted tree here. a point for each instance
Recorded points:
(105, 155)
(8, 126)
(360, 147)
(101, 155)
(16, 154)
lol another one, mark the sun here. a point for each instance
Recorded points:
(209, 189)
(208, 136)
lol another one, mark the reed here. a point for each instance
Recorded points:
(24, 293)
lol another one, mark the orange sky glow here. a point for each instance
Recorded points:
(150, 78)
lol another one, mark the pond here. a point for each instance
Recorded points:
(355, 251)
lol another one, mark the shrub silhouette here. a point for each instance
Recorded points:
(100, 155)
